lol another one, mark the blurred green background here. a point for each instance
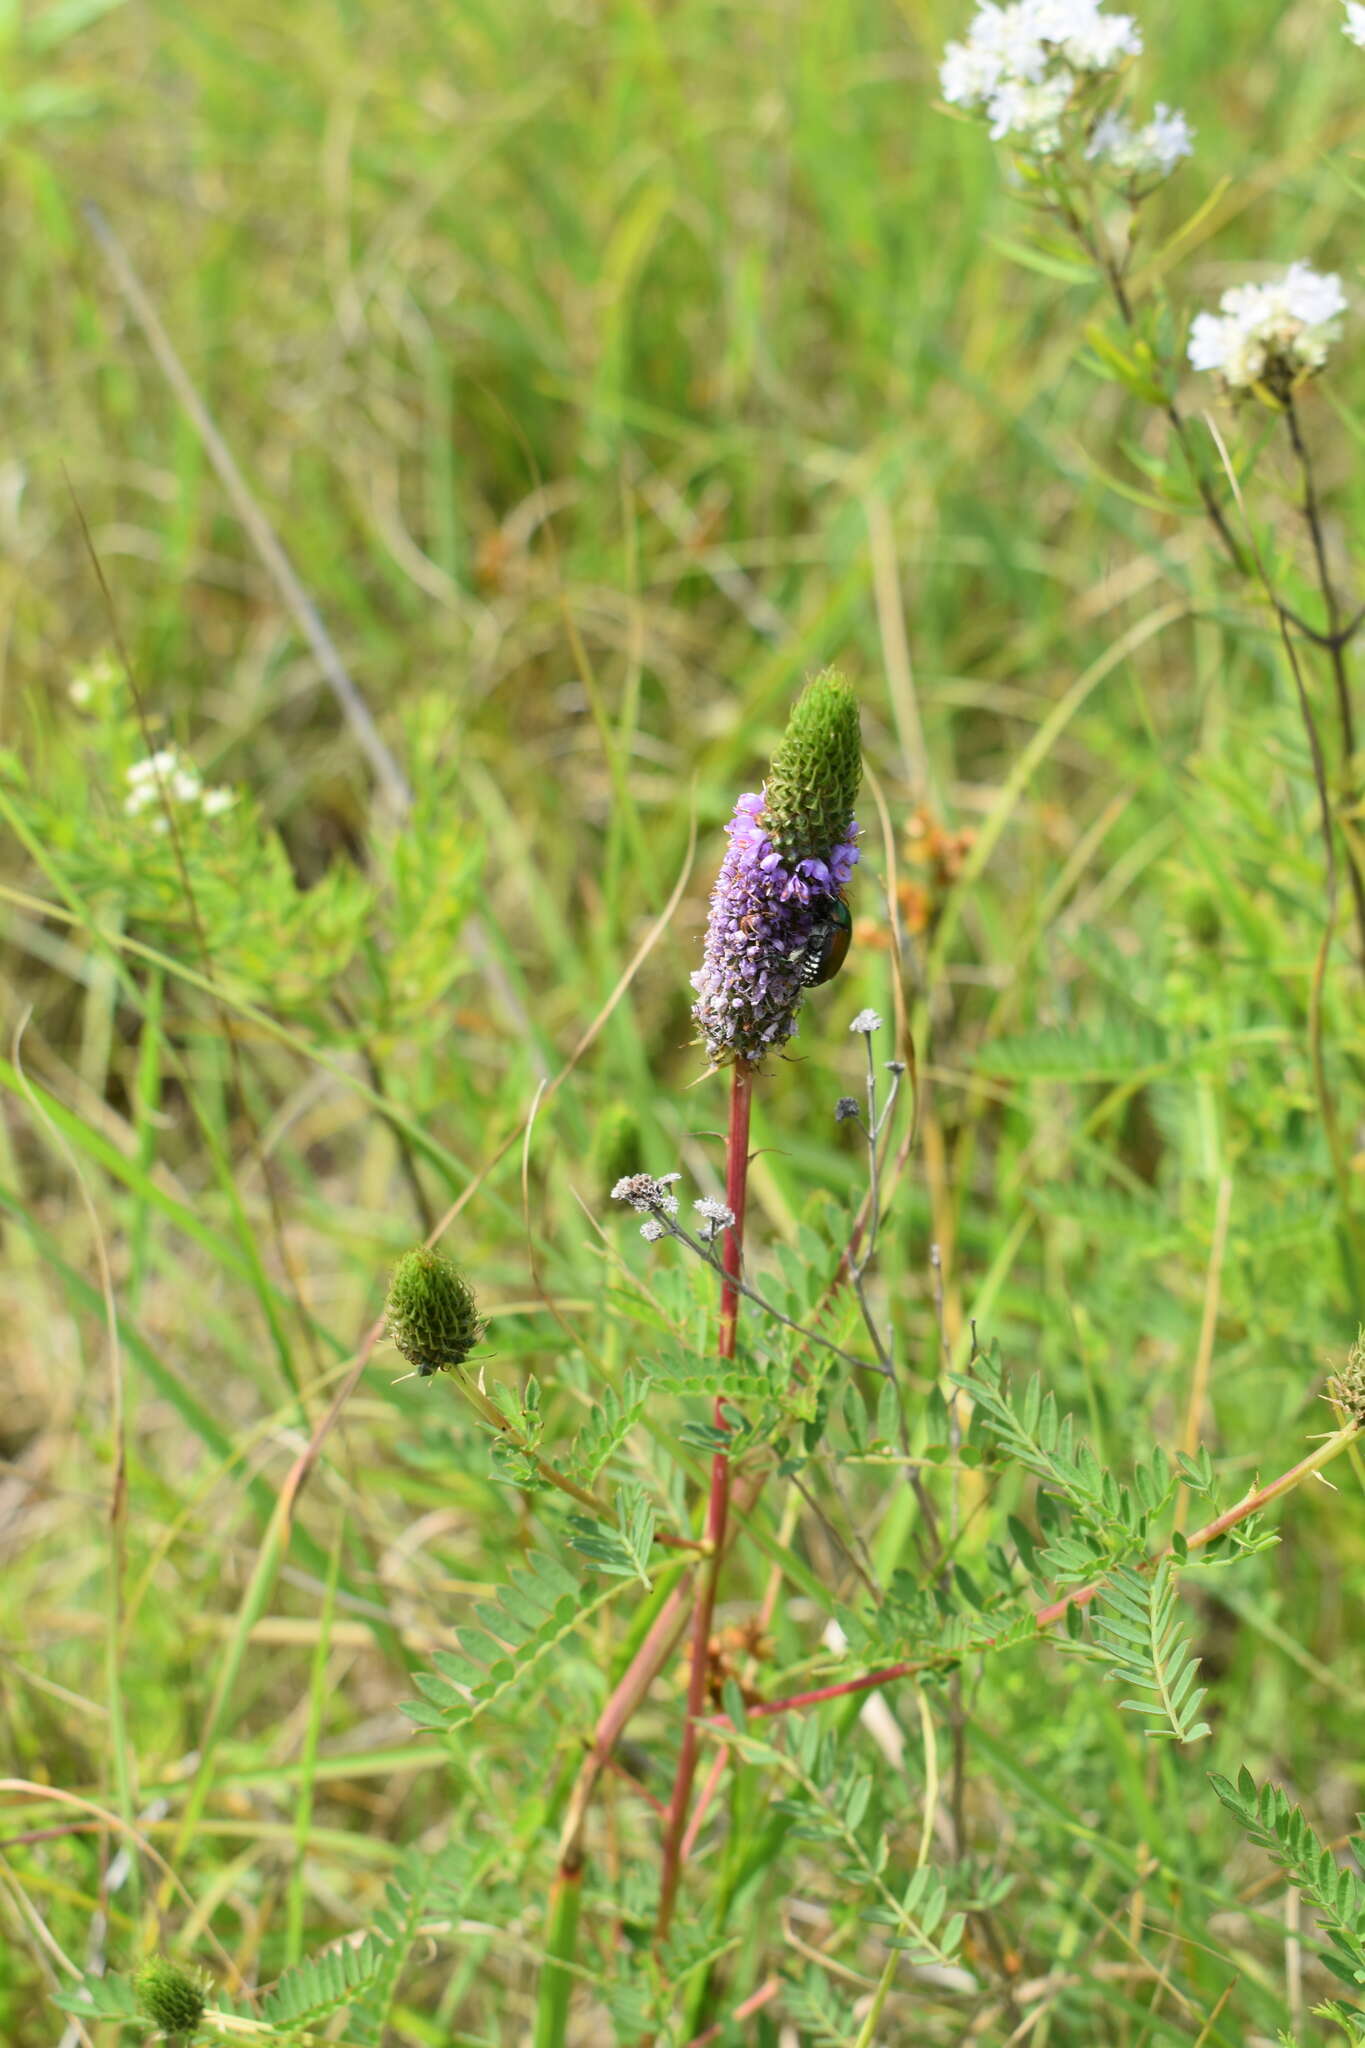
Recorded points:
(605, 367)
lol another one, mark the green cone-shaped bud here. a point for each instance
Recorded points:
(430, 1312)
(812, 785)
(171, 1997)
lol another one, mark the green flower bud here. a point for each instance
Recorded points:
(171, 1997)
(430, 1312)
(812, 785)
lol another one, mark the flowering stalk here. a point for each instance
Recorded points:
(773, 932)
(777, 913)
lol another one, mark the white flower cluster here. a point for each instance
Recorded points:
(1152, 151)
(1354, 24)
(164, 775)
(1020, 63)
(715, 1217)
(1270, 333)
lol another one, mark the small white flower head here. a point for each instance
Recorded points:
(648, 1194)
(652, 1229)
(715, 1217)
(1030, 115)
(1273, 335)
(1354, 24)
(865, 1023)
(215, 801)
(1087, 39)
(1149, 152)
(160, 778)
(1020, 64)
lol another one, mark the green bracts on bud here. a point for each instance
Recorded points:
(172, 1998)
(812, 786)
(430, 1313)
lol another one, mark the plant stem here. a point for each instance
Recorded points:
(497, 1421)
(718, 1506)
(1335, 641)
(556, 1982)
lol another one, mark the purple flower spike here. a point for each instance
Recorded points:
(791, 851)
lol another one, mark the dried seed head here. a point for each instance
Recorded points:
(430, 1313)
(1347, 1388)
(649, 1194)
(173, 1998)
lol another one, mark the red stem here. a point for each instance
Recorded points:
(718, 1506)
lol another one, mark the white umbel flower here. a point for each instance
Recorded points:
(1271, 334)
(1354, 24)
(1020, 64)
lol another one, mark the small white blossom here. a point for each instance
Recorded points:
(154, 768)
(1151, 151)
(1087, 39)
(165, 777)
(1278, 332)
(716, 1216)
(865, 1023)
(1354, 24)
(652, 1229)
(1030, 115)
(80, 691)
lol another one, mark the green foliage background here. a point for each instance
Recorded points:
(606, 366)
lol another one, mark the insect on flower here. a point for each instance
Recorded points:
(827, 948)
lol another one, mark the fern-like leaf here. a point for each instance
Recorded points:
(822, 2016)
(1334, 1890)
(615, 1415)
(532, 1615)
(323, 1984)
(102, 1998)
(1138, 1631)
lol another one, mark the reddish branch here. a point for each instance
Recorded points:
(1047, 1617)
